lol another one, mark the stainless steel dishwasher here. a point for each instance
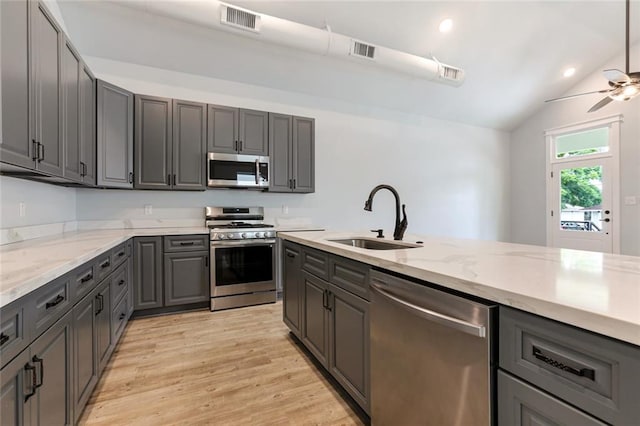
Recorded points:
(431, 356)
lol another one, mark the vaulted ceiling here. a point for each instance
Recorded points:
(513, 52)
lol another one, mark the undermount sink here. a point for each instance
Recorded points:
(371, 244)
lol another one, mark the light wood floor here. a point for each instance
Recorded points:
(235, 367)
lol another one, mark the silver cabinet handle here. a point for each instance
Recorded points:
(464, 326)
(257, 172)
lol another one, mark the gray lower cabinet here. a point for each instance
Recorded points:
(291, 289)
(237, 131)
(189, 145)
(186, 278)
(114, 135)
(349, 343)
(147, 273)
(85, 360)
(16, 147)
(45, 48)
(104, 344)
(52, 355)
(16, 390)
(152, 142)
(292, 153)
(315, 322)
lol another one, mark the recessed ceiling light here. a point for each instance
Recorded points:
(446, 25)
(569, 72)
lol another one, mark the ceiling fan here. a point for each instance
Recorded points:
(622, 85)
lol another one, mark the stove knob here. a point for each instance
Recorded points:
(259, 234)
(222, 236)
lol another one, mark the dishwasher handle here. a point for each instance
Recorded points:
(460, 325)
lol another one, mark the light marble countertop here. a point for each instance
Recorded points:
(595, 291)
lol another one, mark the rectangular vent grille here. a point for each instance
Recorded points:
(240, 18)
(363, 50)
(450, 73)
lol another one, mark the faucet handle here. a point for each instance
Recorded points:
(379, 231)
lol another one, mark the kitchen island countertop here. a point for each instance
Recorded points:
(594, 291)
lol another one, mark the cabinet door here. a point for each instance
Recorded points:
(280, 140)
(85, 360)
(186, 278)
(52, 356)
(15, 141)
(71, 112)
(349, 343)
(189, 145)
(103, 324)
(147, 273)
(46, 44)
(152, 143)
(114, 136)
(315, 322)
(303, 154)
(222, 133)
(87, 125)
(254, 132)
(292, 288)
(16, 390)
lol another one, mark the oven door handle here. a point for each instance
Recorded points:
(241, 243)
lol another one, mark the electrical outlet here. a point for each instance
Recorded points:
(630, 200)
(23, 209)
(285, 209)
(148, 209)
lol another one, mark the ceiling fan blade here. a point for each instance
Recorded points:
(600, 104)
(562, 98)
(616, 76)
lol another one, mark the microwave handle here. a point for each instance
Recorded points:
(257, 172)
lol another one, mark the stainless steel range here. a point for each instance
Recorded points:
(243, 270)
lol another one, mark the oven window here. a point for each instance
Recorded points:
(234, 171)
(240, 265)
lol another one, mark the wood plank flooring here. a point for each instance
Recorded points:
(235, 367)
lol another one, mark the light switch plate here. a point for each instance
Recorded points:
(148, 209)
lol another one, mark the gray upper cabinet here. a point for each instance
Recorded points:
(238, 131)
(153, 142)
(186, 278)
(46, 44)
(292, 153)
(71, 112)
(189, 145)
(253, 133)
(114, 136)
(222, 129)
(87, 125)
(15, 140)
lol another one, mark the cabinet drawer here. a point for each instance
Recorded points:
(315, 262)
(520, 404)
(175, 243)
(103, 266)
(84, 280)
(596, 374)
(49, 303)
(350, 275)
(14, 329)
(119, 254)
(119, 317)
(119, 283)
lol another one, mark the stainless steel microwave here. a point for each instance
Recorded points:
(237, 171)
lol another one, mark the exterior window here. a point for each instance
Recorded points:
(594, 141)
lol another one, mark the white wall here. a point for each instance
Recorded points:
(45, 203)
(453, 177)
(528, 190)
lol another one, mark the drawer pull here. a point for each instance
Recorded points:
(3, 339)
(105, 264)
(186, 243)
(291, 255)
(86, 278)
(589, 373)
(121, 282)
(59, 298)
(121, 317)
(121, 254)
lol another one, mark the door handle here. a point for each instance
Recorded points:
(240, 143)
(235, 145)
(121, 317)
(40, 150)
(120, 283)
(257, 172)
(206, 261)
(3, 339)
(324, 299)
(294, 184)
(606, 219)
(83, 169)
(130, 177)
(37, 360)
(174, 180)
(100, 300)
(29, 367)
(460, 325)
(35, 156)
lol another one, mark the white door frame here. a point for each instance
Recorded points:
(613, 122)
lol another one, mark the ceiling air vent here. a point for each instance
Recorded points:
(239, 18)
(450, 73)
(363, 50)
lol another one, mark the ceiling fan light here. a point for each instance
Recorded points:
(625, 93)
